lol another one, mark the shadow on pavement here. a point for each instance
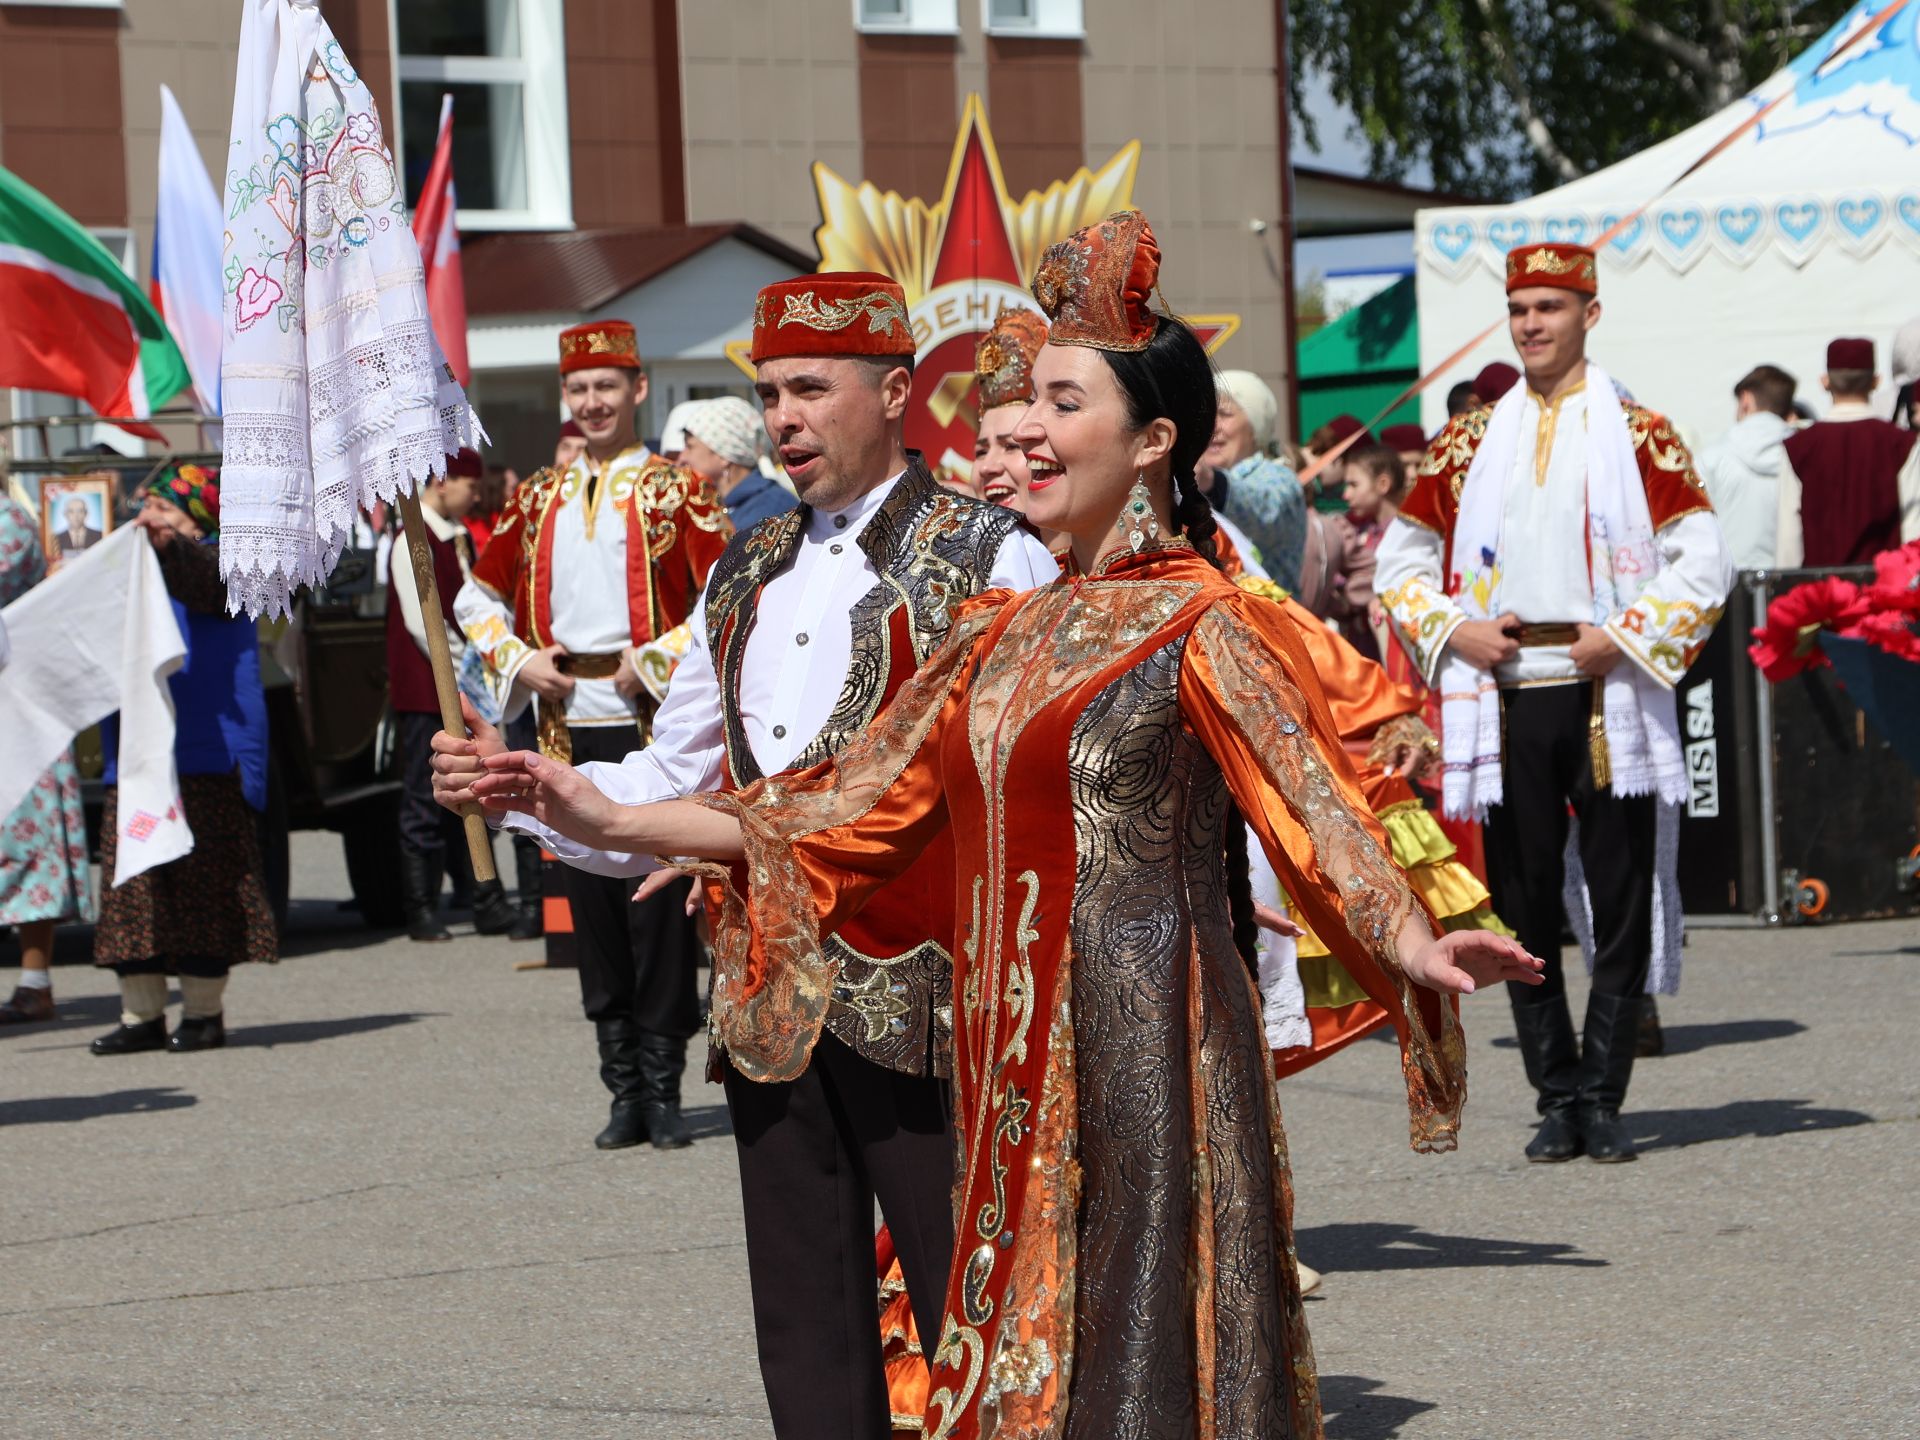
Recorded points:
(1686, 1039)
(64, 1109)
(709, 1122)
(1348, 1248)
(1355, 1412)
(1740, 1120)
(90, 1012)
(305, 1032)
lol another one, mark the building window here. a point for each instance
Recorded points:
(907, 17)
(504, 63)
(1035, 19)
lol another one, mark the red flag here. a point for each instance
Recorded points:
(439, 242)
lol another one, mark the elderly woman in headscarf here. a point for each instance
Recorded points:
(723, 443)
(198, 916)
(1255, 492)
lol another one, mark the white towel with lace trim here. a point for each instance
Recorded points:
(334, 390)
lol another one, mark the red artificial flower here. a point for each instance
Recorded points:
(1789, 641)
(1896, 578)
(1890, 631)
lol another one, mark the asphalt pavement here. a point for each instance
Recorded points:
(377, 1213)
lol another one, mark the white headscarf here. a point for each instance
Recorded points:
(1906, 353)
(673, 434)
(1256, 401)
(729, 427)
(335, 393)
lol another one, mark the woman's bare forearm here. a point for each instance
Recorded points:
(677, 827)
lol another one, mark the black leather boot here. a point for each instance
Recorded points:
(493, 912)
(620, 1072)
(531, 922)
(420, 872)
(126, 1039)
(198, 1032)
(662, 1059)
(1652, 1039)
(1606, 1064)
(1553, 1069)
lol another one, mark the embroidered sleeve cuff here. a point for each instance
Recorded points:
(1663, 637)
(1426, 620)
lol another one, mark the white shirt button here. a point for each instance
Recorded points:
(836, 548)
(779, 732)
(839, 522)
(800, 639)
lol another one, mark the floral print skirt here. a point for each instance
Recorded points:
(43, 852)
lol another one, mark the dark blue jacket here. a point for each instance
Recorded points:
(755, 498)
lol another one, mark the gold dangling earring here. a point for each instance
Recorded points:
(1137, 520)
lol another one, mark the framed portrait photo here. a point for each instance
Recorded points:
(76, 514)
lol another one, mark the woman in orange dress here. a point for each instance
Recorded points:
(1125, 1263)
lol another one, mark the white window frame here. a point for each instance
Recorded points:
(540, 70)
(1052, 20)
(918, 17)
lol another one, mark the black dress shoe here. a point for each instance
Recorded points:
(132, 1039)
(199, 1032)
(1557, 1139)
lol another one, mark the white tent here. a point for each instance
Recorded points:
(1806, 228)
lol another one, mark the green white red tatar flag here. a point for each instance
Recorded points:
(71, 320)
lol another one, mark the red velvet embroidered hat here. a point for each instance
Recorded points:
(836, 312)
(1003, 360)
(1553, 266)
(1094, 285)
(598, 343)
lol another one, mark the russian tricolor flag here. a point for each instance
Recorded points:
(188, 234)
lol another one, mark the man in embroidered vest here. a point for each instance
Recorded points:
(586, 565)
(429, 836)
(1554, 571)
(1852, 483)
(810, 622)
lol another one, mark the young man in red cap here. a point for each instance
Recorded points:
(811, 621)
(1554, 570)
(586, 565)
(1851, 488)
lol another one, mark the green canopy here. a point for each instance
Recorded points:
(1362, 360)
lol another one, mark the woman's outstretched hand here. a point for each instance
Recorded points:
(1278, 921)
(557, 795)
(1462, 961)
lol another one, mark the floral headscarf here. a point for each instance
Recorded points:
(195, 489)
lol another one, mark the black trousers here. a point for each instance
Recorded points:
(814, 1155)
(1547, 767)
(425, 825)
(639, 960)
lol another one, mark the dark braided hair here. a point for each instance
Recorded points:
(1172, 379)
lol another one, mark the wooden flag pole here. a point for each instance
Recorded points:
(445, 688)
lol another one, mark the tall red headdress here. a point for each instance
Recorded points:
(1003, 361)
(1094, 285)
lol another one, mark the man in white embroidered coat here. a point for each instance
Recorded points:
(1554, 571)
(586, 566)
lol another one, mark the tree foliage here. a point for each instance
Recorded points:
(1508, 97)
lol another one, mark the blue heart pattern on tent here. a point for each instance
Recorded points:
(1909, 212)
(1799, 220)
(1860, 216)
(1740, 224)
(1453, 240)
(1683, 228)
(1505, 234)
(1566, 230)
(1627, 242)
